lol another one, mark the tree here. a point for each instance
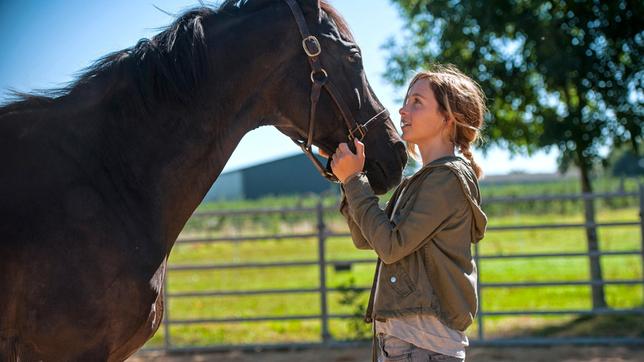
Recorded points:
(563, 74)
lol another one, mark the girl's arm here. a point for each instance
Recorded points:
(426, 213)
(356, 234)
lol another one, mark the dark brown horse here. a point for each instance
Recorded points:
(98, 179)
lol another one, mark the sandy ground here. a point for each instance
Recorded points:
(475, 354)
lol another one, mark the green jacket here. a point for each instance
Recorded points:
(425, 251)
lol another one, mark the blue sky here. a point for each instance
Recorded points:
(46, 43)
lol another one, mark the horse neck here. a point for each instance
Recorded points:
(185, 151)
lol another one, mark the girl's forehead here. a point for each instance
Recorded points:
(421, 86)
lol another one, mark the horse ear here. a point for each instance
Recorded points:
(311, 9)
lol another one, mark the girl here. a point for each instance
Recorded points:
(424, 294)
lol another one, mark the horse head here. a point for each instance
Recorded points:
(326, 98)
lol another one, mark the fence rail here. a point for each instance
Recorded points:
(322, 234)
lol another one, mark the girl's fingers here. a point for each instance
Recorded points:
(345, 148)
(359, 146)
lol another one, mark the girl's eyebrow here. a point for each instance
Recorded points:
(417, 95)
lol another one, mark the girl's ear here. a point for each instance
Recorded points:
(448, 127)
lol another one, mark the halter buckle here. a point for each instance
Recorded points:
(359, 129)
(315, 50)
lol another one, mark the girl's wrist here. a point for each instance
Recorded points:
(350, 177)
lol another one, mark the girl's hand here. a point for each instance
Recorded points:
(345, 163)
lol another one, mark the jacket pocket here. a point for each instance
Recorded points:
(399, 280)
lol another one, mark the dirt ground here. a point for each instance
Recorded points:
(475, 354)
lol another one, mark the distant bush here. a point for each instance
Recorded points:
(630, 164)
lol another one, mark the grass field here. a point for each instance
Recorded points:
(623, 238)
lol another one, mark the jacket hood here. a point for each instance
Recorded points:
(469, 184)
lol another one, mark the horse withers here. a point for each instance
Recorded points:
(99, 178)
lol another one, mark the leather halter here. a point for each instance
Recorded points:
(320, 79)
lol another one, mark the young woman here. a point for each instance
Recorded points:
(424, 294)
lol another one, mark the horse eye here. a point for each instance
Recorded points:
(354, 57)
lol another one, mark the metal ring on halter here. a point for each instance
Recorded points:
(318, 48)
(313, 72)
(359, 128)
(363, 128)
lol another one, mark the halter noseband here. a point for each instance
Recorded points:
(320, 78)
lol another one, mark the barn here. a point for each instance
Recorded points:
(293, 175)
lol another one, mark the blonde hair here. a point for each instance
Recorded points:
(461, 99)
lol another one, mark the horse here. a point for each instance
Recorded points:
(99, 177)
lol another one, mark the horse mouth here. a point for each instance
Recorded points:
(377, 177)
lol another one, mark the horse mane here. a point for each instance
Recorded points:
(169, 66)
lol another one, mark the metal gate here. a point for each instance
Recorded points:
(323, 233)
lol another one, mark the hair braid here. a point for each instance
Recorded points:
(464, 148)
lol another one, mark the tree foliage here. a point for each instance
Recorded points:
(564, 74)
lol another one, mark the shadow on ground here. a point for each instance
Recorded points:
(585, 326)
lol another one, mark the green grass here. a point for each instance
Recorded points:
(341, 248)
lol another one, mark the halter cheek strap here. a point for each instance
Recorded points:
(320, 79)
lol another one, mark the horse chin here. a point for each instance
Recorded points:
(378, 178)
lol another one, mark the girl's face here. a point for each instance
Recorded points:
(420, 119)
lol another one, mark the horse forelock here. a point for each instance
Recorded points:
(251, 5)
(340, 22)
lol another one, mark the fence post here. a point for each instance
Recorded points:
(166, 312)
(599, 301)
(324, 313)
(477, 261)
(642, 226)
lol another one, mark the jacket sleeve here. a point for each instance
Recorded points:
(356, 234)
(426, 213)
